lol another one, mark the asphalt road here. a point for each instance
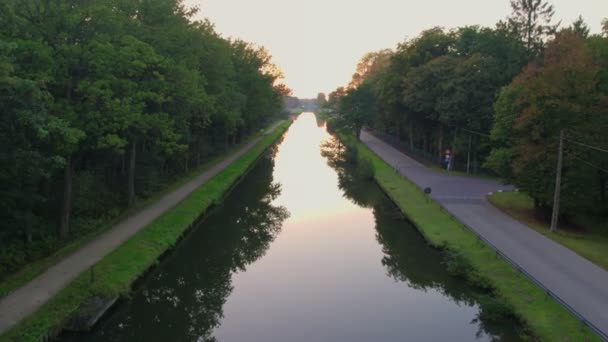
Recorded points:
(28, 298)
(577, 281)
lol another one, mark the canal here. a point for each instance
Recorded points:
(302, 250)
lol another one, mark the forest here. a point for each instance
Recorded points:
(498, 99)
(106, 103)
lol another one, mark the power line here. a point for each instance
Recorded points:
(588, 146)
(472, 132)
(592, 165)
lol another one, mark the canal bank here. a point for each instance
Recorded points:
(113, 275)
(302, 250)
(546, 319)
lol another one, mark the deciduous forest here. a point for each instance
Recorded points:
(105, 103)
(497, 98)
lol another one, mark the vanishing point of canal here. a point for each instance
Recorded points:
(302, 250)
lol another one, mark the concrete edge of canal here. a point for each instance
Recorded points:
(86, 299)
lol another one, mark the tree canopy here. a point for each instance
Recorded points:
(105, 102)
(498, 99)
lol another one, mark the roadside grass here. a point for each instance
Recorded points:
(591, 242)
(35, 268)
(115, 273)
(460, 173)
(546, 319)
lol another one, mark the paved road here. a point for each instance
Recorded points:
(27, 299)
(580, 283)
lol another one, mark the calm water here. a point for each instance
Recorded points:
(302, 251)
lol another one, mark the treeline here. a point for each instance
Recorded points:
(104, 102)
(498, 99)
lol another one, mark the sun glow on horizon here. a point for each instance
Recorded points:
(317, 43)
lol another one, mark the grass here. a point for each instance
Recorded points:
(589, 242)
(460, 173)
(35, 268)
(545, 318)
(116, 272)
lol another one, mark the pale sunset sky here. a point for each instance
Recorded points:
(317, 43)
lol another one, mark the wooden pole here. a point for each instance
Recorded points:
(558, 182)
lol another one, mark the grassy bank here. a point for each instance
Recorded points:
(546, 319)
(585, 237)
(116, 272)
(35, 268)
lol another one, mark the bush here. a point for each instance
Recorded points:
(494, 308)
(365, 168)
(457, 264)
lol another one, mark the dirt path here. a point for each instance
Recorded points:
(577, 281)
(28, 298)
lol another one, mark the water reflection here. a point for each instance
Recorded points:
(182, 299)
(407, 258)
(302, 250)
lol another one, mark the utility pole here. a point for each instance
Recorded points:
(558, 182)
(469, 155)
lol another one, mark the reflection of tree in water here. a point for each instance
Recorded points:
(320, 121)
(353, 188)
(407, 257)
(182, 300)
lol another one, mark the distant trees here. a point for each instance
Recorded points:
(497, 98)
(321, 99)
(105, 102)
(531, 19)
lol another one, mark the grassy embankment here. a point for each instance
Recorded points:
(35, 268)
(116, 272)
(546, 319)
(586, 237)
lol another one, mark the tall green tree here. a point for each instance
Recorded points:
(358, 107)
(532, 20)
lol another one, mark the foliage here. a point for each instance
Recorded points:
(120, 269)
(560, 92)
(357, 108)
(531, 20)
(497, 98)
(105, 101)
(547, 319)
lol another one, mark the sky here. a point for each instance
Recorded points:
(317, 43)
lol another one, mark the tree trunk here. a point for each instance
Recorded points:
(602, 179)
(131, 174)
(27, 225)
(64, 225)
(424, 142)
(411, 135)
(440, 141)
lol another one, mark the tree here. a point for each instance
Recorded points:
(33, 141)
(321, 99)
(531, 19)
(580, 28)
(357, 108)
(107, 101)
(559, 93)
(369, 65)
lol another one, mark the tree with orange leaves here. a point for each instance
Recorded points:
(562, 91)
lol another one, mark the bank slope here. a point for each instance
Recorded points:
(548, 320)
(115, 273)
